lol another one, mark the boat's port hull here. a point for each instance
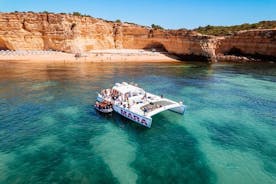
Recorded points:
(142, 120)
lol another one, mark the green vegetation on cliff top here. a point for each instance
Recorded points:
(154, 26)
(207, 30)
(228, 30)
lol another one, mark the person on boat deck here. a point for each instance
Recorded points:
(120, 98)
(145, 110)
(145, 97)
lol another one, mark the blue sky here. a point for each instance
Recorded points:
(171, 14)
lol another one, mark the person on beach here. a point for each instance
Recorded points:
(77, 55)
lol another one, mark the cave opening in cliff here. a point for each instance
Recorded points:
(73, 26)
(252, 56)
(234, 51)
(155, 46)
(3, 45)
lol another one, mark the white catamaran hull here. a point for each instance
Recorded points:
(137, 105)
(181, 109)
(142, 120)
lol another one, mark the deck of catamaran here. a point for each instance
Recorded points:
(134, 103)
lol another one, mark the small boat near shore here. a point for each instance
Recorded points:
(135, 104)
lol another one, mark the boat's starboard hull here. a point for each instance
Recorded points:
(181, 109)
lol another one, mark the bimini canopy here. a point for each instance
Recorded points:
(125, 88)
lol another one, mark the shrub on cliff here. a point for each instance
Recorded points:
(226, 30)
(118, 21)
(46, 12)
(154, 26)
(131, 23)
(80, 15)
(77, 14)
(85, 15)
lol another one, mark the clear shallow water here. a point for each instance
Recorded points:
(49, 133)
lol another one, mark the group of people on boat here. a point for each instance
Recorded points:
(110, 93)
(103, 105)
(105, 92)
(150, 107)
(123, 100)
(114, 94)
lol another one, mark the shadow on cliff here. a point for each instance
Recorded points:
(3, 45)
(193, 57)
(256, 56)
(159, 47)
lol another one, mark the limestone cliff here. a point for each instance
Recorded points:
(68, 33)
(31, 31)
(253, 43)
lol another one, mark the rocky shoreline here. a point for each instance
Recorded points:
(233, 58)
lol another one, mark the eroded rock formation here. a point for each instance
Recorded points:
(31, 31)
(68, 33)
(258, 44)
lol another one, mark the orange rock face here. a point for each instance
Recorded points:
(181, 42)
(68, 33)
(251, 42)
(31, 31)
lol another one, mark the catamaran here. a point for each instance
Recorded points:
(134, 103)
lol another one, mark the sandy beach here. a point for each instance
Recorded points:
(111, 55)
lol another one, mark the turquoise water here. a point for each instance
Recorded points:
(49, 132)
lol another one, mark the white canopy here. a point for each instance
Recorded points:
(128, 88)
